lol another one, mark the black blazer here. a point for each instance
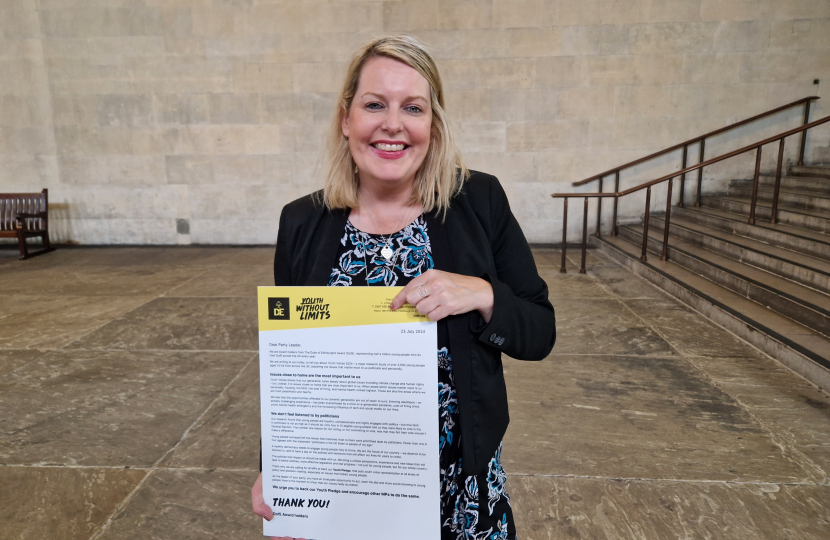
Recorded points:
(479, 237)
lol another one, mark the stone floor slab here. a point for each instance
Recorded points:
(559, 508)
(208, 324)
(753, 371)
(59, 320)
(597, 326)
(226, 281)
(11, 360)
(634, 417)
(59, 502)
(689, 332)
(227, 436)
(94, 281)
(623, 283)
(184, 505)
(572, 286)
(108, 408)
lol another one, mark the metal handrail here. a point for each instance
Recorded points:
(669, 177)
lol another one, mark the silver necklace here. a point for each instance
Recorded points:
(386, 251)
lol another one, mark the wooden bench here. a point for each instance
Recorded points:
(25, 215)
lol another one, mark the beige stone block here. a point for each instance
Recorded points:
(304, 168)
(262, 139)
(332, 18)
(238, 170)
(611, 70)
(16, 111)
(210, 21)
(303, 137)
(580, 40)
(623, 11)
(586, 102)
(234, 108)
(269, 19)
(484, 43)
(524, 105)
(296, 47)
(613, 40)
(27, 172)
(742, 36)
(561, 72)
(639, 134)
(643, 102)
(76, 48)
(489, 73)
(579, 163)
(712, 68)
(672, 10)
(521, 14)
(189, 170)
(801, 9)
(661, 38)
(408, 16)
(21, 77)
(263, 78)
(736, 10)
(108, 50)
(218, 202)
(124, 110)
(206, 139)
(800, 34)
(185, 46)
(658, 69)
(19, 19)
(481, 136)
(128, 202)
(120, 170)
(234, 231)
(182, 109)
(534, 42)
(539, 137)
(319, 78)
(574, 12)
(770, 67)
(297, 108)
(442, 44)
(468, 105)
(508, 167)
(96, 231)
(27, 140)
(457, 15)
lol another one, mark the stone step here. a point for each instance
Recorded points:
(801, 348)
(813, 220)
(781, 235)
(813, 170)
(791, 199)
(786, 263)
(806, 306)
(804, 184)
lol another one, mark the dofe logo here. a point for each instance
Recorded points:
(278, 309)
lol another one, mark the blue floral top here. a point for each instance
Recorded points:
(467, 512)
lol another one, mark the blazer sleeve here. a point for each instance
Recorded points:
(523, 324)
(284, 254)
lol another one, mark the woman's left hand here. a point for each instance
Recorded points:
(438, 294)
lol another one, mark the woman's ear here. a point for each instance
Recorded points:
(344, 122)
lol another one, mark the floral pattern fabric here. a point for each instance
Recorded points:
(473, 506)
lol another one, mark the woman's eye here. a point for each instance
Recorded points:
(414, 109)
(374, 105)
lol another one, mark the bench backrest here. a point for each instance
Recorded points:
(12, 204)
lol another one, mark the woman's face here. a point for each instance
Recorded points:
(388, 124)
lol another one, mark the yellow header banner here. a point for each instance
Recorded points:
(289, 308)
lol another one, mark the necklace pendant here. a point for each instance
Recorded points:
(386, 252)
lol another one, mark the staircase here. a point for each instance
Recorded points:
(769, 284)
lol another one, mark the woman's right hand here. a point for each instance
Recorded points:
(263, 510)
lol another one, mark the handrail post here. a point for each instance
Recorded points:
(683, 178)
(700, 171)
(584, 234)
(773, 218)
(665, 255)
(644, 257)
(755, 187)
(616, 190)
(599, 207)
(804, 133)
(563, 270)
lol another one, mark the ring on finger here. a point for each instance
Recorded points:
(422, 290)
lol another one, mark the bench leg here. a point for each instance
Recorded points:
(21, 243)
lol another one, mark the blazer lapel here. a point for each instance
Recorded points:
(332, 228)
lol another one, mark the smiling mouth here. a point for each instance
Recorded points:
(386, 147)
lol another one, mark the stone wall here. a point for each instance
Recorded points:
(194, 121)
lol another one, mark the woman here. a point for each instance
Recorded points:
(400, 209)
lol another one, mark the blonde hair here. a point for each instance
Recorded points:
(442, 173)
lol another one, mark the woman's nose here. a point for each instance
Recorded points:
(392, 122)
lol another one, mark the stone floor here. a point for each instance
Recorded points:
(129, 408)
